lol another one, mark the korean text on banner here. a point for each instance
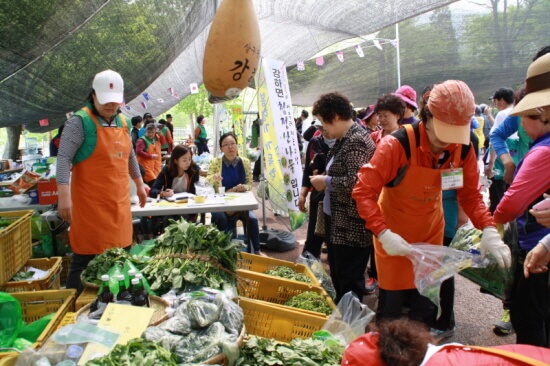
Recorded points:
(283, 165)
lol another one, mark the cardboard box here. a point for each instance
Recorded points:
(47, 192)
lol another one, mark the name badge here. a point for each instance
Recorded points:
(452, 179)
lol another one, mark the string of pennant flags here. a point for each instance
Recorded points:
(320, 60)
(194, 88)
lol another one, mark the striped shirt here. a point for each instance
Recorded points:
(72, 139)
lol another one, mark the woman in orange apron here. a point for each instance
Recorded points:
(96, 199)
(398, 194)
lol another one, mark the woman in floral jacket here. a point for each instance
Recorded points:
(349, 242)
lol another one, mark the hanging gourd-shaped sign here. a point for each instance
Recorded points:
(232, 50)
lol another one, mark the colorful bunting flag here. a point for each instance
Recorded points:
(145, 96)
(143, 105)
(320, 61)
(359, 50)
(194, 88)
(394, 43)
(43, 122)
(300, 66)
(340, 56)
(377, 44)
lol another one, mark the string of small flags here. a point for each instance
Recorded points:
(320, 60)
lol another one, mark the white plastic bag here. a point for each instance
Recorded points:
(318, 270)
(349, 320)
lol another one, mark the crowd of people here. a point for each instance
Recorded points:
(379, 180)
(401, 193)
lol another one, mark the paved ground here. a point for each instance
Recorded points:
(474, 312)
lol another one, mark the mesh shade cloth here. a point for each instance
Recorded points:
(51, 50)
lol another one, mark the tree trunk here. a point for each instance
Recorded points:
(12, 147)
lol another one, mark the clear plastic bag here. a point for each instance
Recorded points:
(349, 320)
(433, 264)
(492, 278)
(315, 265)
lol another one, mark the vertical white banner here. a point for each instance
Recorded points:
(282, 155)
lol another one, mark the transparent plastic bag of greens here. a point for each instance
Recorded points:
(11, 319)
(349, 320)
(433, 264)
(142, 249)
(315, 265)
(492, 279)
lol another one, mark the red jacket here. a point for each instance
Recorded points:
(452, 356)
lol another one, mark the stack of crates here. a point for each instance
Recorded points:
(262, 299)
(37, 298)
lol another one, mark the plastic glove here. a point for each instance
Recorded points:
(394, 244)
(491, 241)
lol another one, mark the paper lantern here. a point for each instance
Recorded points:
(232, 50)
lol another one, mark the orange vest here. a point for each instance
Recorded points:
(152, 167)
(100, 192)
(414, 210)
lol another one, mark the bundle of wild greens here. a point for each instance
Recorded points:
(136, 352)
(304, 352)
(102, 263)
(288, 273)
(311, 301)
(192, 254)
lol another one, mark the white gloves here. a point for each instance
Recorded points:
(394, 244)
(491, 241)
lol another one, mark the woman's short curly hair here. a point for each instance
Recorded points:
(332, 104)
(391, 103)
(403, 342)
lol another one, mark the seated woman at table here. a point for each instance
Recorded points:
(234, 173)
(179, 175)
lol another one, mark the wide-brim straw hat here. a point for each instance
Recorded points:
(537, 85)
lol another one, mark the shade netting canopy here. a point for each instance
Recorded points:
(51, 49)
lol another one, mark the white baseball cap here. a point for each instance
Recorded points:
(109, 87)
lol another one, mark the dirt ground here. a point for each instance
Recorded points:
(475, 312)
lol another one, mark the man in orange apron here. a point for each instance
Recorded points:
(398, 194)
(95, 198)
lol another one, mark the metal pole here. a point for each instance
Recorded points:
(398, 61)
(262, 170)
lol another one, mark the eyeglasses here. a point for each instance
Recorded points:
(233, 144)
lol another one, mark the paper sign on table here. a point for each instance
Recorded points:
(129, 321)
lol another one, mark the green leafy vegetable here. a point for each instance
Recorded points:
(191, 254)
(22, 276)
(288, 273)
(137, 352)
(311, 301)
(303, 352)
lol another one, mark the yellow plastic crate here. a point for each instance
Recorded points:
(37, 304)
(86, 297)
(281, 323)
(276, 290)
(261, 264)
(52, 281)
(65, 267)
(69, 318)
(15, 244)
